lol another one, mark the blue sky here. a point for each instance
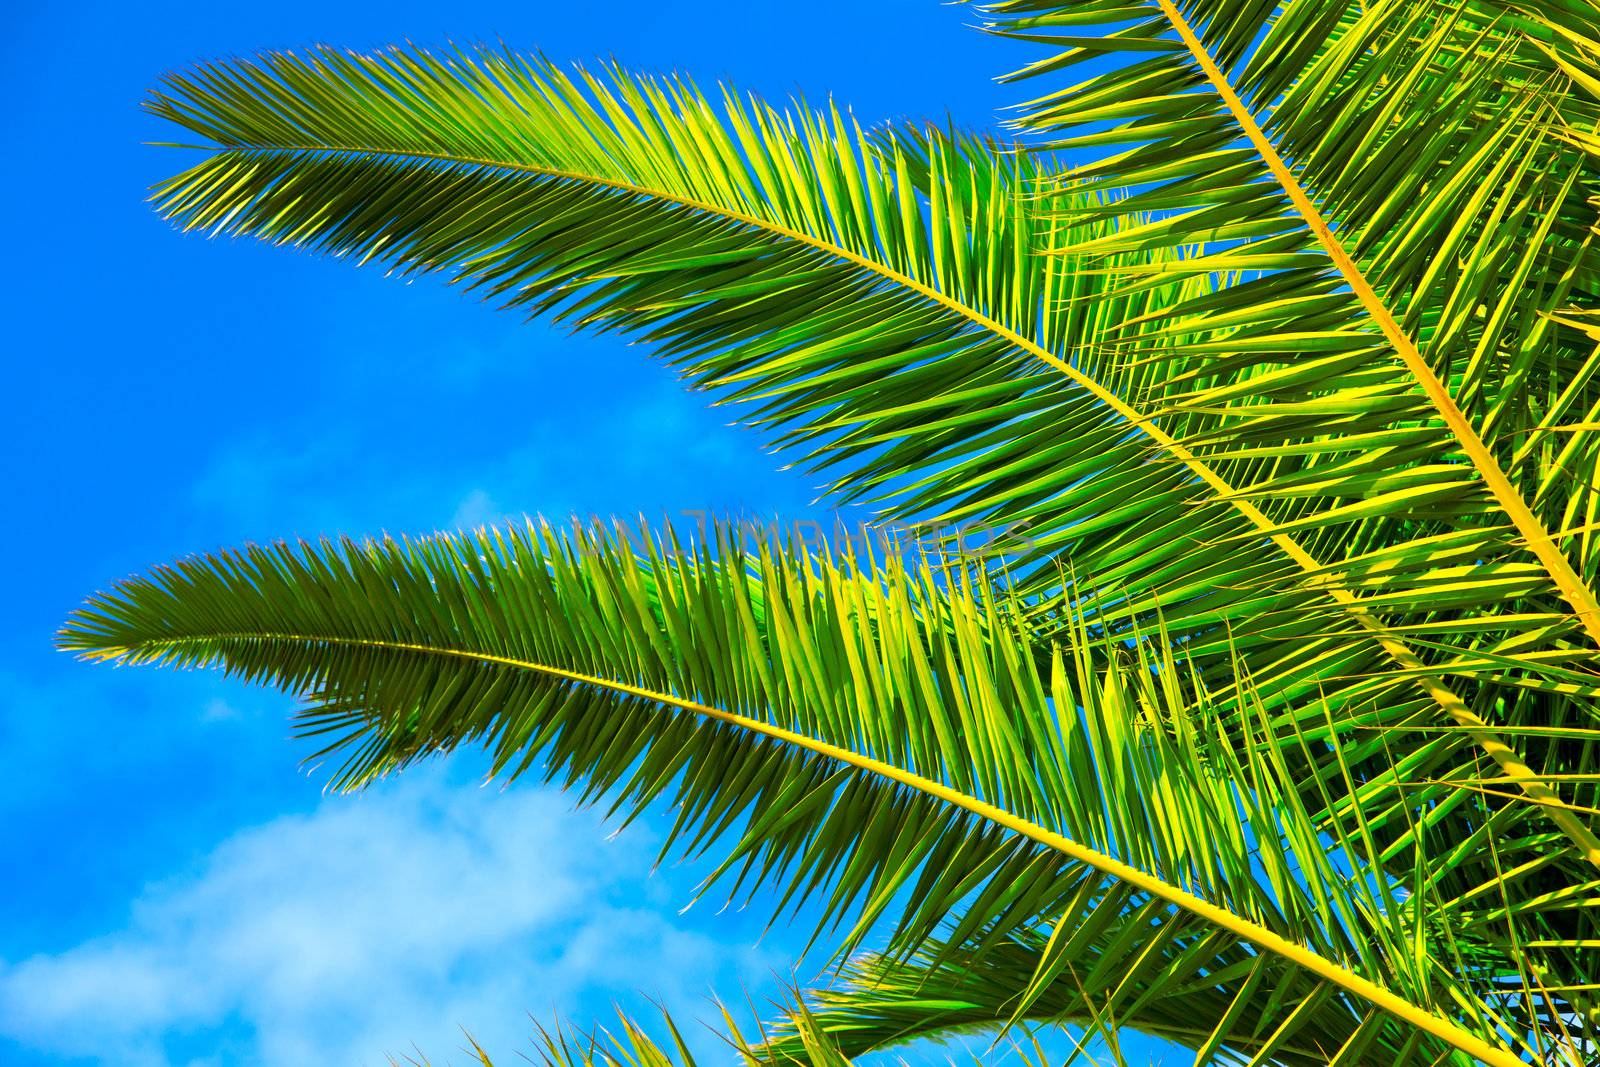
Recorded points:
(177, 890)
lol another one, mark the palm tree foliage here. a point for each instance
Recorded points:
(1272, 348)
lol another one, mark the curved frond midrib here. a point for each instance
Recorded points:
(1245, 929)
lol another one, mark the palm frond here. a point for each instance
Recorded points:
(877, 738)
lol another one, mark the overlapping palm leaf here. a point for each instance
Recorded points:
(881, 741)
(633, 1046)
(881, 312)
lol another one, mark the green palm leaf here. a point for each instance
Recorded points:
(562, 1045)
(878, 739)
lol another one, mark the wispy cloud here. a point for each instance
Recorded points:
(476, 509)
(373, 925)
(638, 446)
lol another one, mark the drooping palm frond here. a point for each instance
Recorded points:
(883, 312)
(882, 1002)
(876, 739)
(913, 343)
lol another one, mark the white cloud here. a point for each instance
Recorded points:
(476, 509)
(218, 710)
(376, 922)
(636, 444)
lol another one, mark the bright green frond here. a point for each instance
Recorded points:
(873, 737)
